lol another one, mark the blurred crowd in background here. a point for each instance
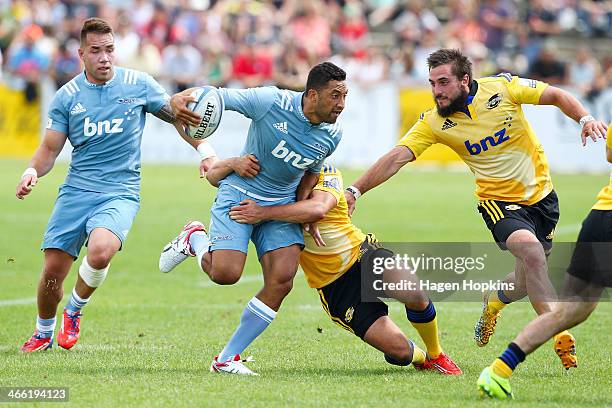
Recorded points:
(184, 43)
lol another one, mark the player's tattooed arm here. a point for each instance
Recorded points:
(165, 113)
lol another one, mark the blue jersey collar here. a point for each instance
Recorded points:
(297, 106)
(109, 83)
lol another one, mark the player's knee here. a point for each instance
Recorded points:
(573, 313)
(100, 255)
(281, 286)
(399, 357)
(226, 275)
(54, 271)
(534, 259)
(399, 352)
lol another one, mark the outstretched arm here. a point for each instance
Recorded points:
(379, 172)
(42, 162)
(572, 108)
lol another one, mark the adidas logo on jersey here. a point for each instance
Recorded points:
(282, 126)
(78, 108)
(448, 124)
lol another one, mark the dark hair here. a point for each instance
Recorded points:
(322, 73)
(461, 65)
(95, 25)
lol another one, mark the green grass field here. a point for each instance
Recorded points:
(148, 338)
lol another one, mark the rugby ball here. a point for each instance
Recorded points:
(209, 106)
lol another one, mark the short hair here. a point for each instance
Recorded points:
(461, 65)
(95, 25)
(322, 73)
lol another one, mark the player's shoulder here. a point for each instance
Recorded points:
(502, 78)
(71, 88)
(284, 98)
(333, 129)
(129, 76)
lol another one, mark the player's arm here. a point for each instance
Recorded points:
(378, 173)
(307, 183)
(310, 210)
(245, 166)
(178, 105)
(42, 161)
(573, 109)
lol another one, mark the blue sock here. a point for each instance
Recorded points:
(256, 317)
(76, 303)
(45, 327)
(421, 316)
(502, 297)
(512, 356)
(199, 242)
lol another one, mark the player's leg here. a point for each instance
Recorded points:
(56, 267)
(107, 229)
(589, 272)
(221, 252)
(525, 246)
(279, 268)
(278, 246)
(494, 380)
(385, 336)
(63, 238)
(420, 310)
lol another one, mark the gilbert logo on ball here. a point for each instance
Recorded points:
(209, 106)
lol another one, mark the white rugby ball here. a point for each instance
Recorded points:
(209, 106)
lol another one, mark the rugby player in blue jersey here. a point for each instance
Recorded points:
(290, 135)
(102, 113)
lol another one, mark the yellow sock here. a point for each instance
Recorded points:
(429, 333)
(559, 334)
(494, 303)
(500, 368)
(418, 355)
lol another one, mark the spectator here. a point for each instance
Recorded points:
(182, 65)
(66, 64)
(583, 71)
(547, 67)
(28, 63)
(414, 21)
(291, 70)
(147, 58)
(352, 32)
(498, 19)
(311, 32)
(252, 65)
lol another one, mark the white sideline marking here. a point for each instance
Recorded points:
(14, 302)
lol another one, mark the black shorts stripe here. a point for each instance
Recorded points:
(334, 319)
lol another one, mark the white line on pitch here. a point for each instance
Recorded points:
(14, 302)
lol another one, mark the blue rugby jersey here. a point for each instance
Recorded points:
(104, 124)
(281, 137)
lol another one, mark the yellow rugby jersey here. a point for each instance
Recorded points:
(323, 265)
(604, 198)
(494, 140)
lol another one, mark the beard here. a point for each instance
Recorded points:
(457, 104)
